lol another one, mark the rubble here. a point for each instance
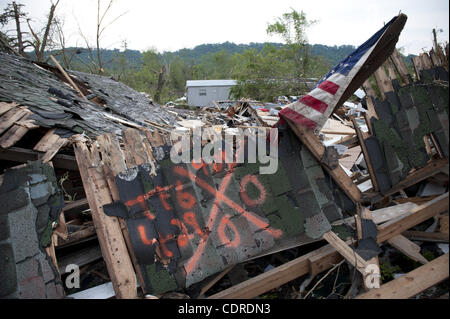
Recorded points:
(96, 185)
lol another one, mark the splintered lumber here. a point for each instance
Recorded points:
(313, 263)
(370, 92)
(391, 71)
(360, 136)
(115, 164)
(50, 144)
(121, 121)
(365, 213)
(370, 113)
(383, 82)
(12, 116)
(215, 280)
(135, 149)
(431, 169)
(426, 61)
(22, 155)
(48, 156)
(417, 64)
(385, 214)
(80, 258)
(426, 236)
(436, 146)
(346, 251)
(407, 247)
(443, 224)
(275, 277)
(414, 200)
(316, 147)
(441, 55)
(77, 236)
(13, 135)
(50, 250)
(46, 142)
(415, 216)
(75, 204)
(5, 107)
(412, 283)
(400, 66)
(109, 233)
(68, 78)
(434, 58)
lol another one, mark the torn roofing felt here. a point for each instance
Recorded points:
(55, 104)
(205, 217)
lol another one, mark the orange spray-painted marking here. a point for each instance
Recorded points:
(262, 191)
(163, 196)
(185, 199)
(143, 236)
(223, 236)
(189, 218)
(183, 238)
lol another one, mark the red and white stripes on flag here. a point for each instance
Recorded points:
(313, 110)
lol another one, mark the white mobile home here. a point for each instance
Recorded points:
(203, 92)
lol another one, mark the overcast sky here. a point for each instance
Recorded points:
(169, 25)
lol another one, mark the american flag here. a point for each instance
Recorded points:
(313, 109)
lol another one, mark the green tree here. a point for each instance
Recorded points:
(274, 70)
(291, 26)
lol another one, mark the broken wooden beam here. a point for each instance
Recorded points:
(50, 144)
(75, 204)
(367, 159)
(346, 251)
(407, 247)
(68, 78)
(22, 155)
(383, 82)
(114, 161)
(426, 236)
(11, 117)
(313, 263)
(432, 168)
(400, 66)
(109, 233)
(14, 133)
(414, 217)
(271, 279)
(316, 148)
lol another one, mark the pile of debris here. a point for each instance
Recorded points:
(88, 181)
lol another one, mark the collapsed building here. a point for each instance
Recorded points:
(73, 143)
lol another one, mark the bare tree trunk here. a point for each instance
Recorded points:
(160, 84)
(100, 66)
(47, 31)
(19, 32)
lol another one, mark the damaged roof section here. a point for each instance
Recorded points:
(55, 104)
(203, 218)
(407, 119)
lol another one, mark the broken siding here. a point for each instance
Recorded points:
(31, 202)
(204, 218)
(406, 116)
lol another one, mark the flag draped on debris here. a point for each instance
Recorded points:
(313, 109)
